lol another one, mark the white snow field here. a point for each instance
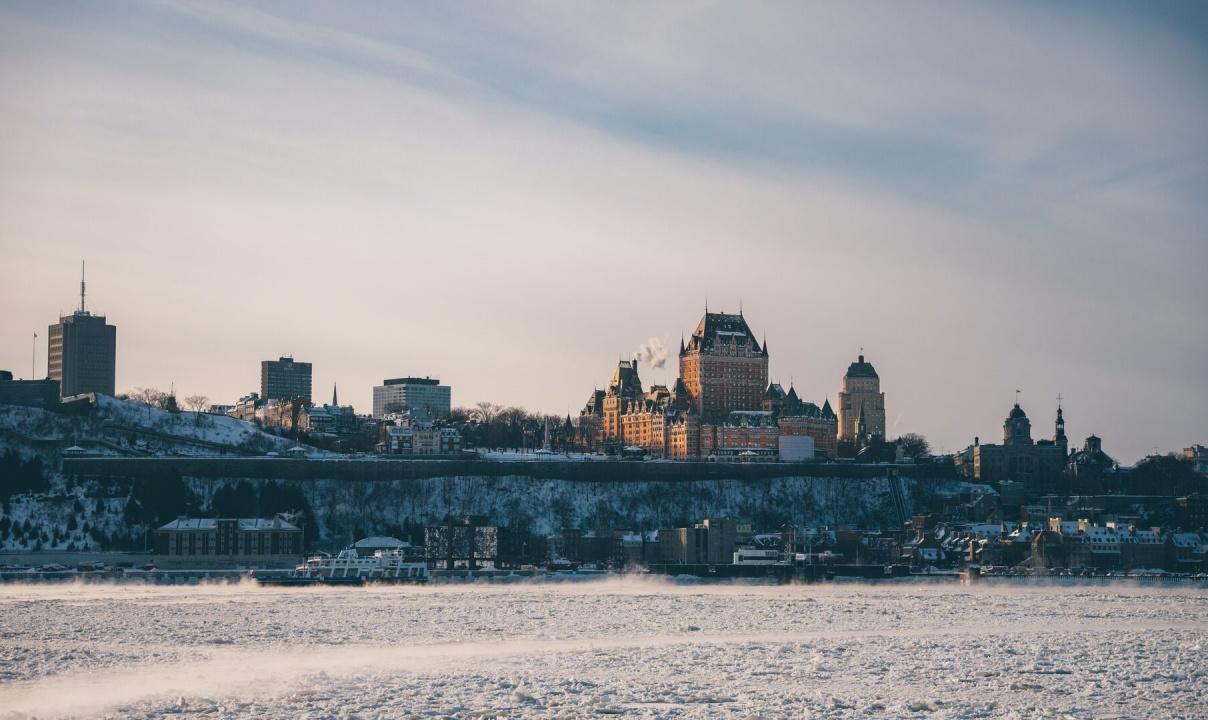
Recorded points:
(627, 647)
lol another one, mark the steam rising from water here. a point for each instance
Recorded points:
(257, 665)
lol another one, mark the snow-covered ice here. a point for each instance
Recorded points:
(630, 647)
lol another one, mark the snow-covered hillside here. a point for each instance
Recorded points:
(65, 515)
(544, 505)
(91, 511)
(125, 427)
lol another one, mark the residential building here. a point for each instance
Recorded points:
(332, 419)
(861, 405)
(246, 407)
(285, 379)
(82, 352)
(416, 395)
(1090, 468)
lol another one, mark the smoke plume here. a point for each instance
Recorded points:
(652, 352)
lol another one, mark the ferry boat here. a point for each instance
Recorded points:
(351, 568)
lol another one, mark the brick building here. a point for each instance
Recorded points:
(228, 542)
(723, 367)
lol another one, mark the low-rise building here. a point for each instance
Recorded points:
(32, 393)
(1142, 548)
(228, 543)
(1185, 552)
(245, 408)
(1197, 455)
(711, 541)
(416, 438)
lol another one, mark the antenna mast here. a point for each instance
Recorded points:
(82, 306)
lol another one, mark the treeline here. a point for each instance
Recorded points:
(156, 501)
(19, 476)
(488, 425)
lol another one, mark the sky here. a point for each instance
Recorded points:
(513, 196)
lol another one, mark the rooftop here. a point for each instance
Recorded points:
(243, 524)
(861, 369)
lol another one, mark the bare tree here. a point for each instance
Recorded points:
(150, 397)
(197, 403)
(486, 412)
(914, 445)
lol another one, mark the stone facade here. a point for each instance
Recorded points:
(1039, 465)
(861, 405)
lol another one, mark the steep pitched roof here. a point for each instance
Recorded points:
(861, 369)
(625, 381)
(827, 412)
(716, 328)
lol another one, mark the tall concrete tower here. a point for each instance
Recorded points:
(82, 351)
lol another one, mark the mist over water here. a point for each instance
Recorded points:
(532, 648)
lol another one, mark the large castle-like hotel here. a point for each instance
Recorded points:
(723, 405)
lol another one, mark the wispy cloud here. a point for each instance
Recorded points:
(985, 196)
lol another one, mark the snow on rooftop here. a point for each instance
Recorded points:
(244, 524)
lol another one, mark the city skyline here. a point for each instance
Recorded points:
(510, 217)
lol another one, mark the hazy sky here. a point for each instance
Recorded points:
(511, 197)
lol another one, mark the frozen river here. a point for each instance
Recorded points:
(635, 648)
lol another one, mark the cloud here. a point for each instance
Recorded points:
(984, 196)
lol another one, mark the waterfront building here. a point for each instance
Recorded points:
(285, 379)
(81, 352)
(711, 541)
(228, 542)
(416, 395)
(861, 405)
